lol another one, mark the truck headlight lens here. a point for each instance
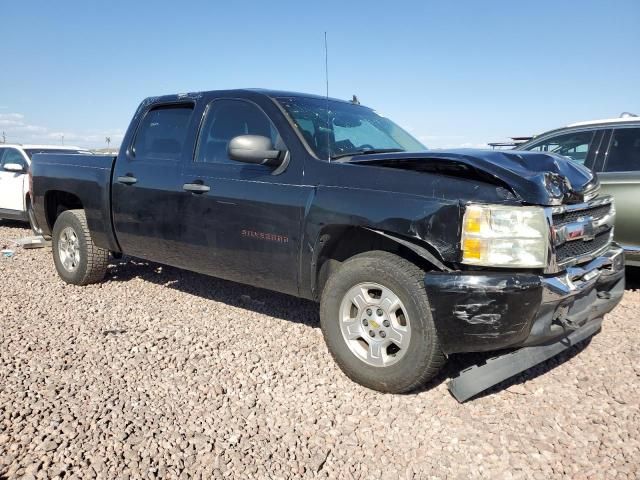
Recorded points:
(502, 236)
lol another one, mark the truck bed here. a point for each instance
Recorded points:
(87, 177)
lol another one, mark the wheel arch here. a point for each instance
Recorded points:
(337, 243)
(58, 201)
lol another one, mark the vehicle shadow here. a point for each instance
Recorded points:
(14, 224)
(273, 304)
(297, 310)
(632, 275)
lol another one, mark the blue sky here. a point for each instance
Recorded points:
(453, 73)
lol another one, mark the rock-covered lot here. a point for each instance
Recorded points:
(162, 373)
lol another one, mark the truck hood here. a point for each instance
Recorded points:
(533, 177)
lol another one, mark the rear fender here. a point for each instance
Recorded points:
(84, 177)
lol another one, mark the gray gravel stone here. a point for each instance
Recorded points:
(162, 373)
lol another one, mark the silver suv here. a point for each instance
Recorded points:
(612, 149)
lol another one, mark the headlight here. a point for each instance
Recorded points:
(501, 236)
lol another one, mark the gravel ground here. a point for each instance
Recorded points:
(162, 373)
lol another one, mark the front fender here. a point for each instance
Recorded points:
(428, 223)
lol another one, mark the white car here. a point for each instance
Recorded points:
(14, 178)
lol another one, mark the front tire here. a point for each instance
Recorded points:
(78, 260)
(377, 323)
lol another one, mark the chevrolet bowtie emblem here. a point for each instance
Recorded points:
(583, 229)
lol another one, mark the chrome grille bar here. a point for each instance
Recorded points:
(579, 232)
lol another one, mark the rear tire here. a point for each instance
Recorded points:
(377, 323)
(78, 260)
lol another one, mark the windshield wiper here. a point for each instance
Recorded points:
(366, 151)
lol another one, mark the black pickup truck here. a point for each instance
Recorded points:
(413, 254)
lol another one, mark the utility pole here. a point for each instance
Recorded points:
(62, 137)
(4, 137)
(108, 140)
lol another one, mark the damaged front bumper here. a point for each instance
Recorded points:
(489, 311)
(485, 311)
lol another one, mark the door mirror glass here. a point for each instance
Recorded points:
(14, 167)
(254, 149)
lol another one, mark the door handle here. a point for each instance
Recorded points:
(196, 187)
(127, 180)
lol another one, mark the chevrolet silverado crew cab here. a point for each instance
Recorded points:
(413, 255)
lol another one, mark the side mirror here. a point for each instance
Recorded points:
(14, 167)
(254, 149)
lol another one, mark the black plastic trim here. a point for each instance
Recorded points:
(478, 378)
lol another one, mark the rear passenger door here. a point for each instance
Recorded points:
(146, 183)
(619, 173)
(246, 227)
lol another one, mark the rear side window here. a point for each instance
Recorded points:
(572, 145)
(624, 152)
(162, 133)
(227, 119)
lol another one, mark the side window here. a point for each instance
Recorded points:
(624, 152)
(227, 119)
(11, 155)
(308, 130)
(162, 133)
(572, 145)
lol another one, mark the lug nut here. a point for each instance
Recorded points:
(382, 334)
(365, 323)
(379, 312)
(372, 333)
(369, 311)
(386, 323)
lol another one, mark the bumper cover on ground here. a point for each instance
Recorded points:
(476, 379)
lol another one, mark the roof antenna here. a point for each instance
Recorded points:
(326, 76)
(355, 100)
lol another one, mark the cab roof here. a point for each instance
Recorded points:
(606, 120)
(238, 91)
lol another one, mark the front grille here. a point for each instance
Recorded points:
(596, 213)
(582, 231)
(578, 248)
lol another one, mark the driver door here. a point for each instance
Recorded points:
(244, 223)
(12, 184)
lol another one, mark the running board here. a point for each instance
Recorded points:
(478, 378)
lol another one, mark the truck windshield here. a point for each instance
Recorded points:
(345, 129)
